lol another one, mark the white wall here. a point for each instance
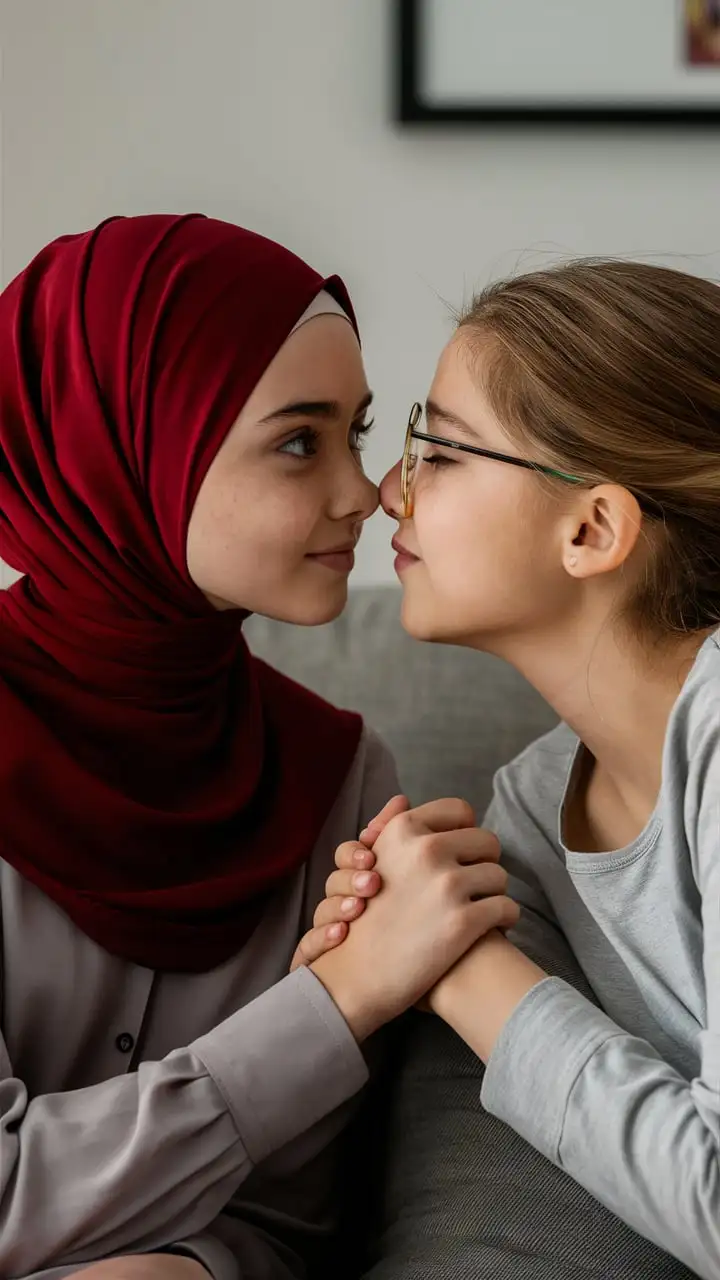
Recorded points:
(275, 113)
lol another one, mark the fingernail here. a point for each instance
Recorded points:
(362, 881)
(348, 904)
(335, 931)
(360, 857)
(364, 835)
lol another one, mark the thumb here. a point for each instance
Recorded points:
(398, 804)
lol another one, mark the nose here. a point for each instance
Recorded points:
(359, 498)
(390, 496)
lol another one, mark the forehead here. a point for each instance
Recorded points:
(320, 361)
(325, 349)
(457, 387)
(457, 368)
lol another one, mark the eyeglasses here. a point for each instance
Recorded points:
(411, 458)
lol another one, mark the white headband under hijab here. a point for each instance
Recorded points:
(323, 304)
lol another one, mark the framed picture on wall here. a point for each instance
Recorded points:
(565, 61)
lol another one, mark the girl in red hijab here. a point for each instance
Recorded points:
(182, 406)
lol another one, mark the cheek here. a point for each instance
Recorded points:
(240, 536)
(270, 528)
(464, 518)
(481, 541)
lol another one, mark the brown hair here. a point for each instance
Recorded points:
(610, 371)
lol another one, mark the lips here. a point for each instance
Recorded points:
(340, 558)
(404, 558)
(398, 547)
(333, 551)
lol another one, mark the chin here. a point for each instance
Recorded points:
(419, 621)
(432, 622)
(324, 612)
(308, 608)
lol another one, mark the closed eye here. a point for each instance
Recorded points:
(438, 460)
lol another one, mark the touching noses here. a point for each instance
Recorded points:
(358, 498)
(390, 493)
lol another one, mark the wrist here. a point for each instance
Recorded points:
(454, 984)
(481, 993)
(341, 983)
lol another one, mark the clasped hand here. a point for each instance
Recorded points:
(438, 887)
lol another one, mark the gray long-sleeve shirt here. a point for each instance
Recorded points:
(143, 1111)
(625, 1097)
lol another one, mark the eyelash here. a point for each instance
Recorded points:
(439, 460)
(362, 429)
(310, 438)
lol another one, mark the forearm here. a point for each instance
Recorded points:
(138, 1162)
(483, 990)
(599, 1103)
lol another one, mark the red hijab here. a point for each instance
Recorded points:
(156, 781)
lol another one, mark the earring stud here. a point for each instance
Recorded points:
(572, 561)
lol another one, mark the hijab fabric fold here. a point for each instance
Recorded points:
(157, 782)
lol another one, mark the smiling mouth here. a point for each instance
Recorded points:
(402, 551)
(341, 559)
(404, 558)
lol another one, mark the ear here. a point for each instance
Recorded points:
(602, 531)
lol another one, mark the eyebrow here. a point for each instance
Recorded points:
(435, 413)
(327, 410)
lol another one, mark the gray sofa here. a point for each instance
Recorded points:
(450, 716)
(463, 1197)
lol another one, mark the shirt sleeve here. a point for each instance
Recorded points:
(538, 933)
(601, 1103)
(221, 1251)
(146, 1159)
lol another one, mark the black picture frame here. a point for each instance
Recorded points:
(412, 110)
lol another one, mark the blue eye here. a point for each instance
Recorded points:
(303, 445)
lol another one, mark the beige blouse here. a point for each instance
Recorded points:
(144, 1111)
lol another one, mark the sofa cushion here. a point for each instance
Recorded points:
(450, 715)
(466, 1198)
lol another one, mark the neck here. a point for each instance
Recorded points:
(613, 690)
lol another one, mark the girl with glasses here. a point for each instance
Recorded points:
(559, 507)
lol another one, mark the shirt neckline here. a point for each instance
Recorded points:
(604, 860)
(614, 859)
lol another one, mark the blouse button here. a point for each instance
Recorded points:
(124, 1042)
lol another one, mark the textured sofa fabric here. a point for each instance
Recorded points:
(463, 1197)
